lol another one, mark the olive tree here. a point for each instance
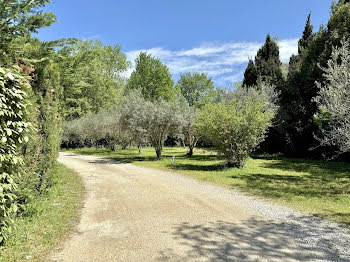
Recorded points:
(187, 130)
(94, 128)
(236, 127)
(333, 100)
(153, 120)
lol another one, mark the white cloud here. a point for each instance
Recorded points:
(222, 61)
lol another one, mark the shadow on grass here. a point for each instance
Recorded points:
(326, 171)
(130, 156)
(289, 187)
(196, 167)
(280, 185)
(296, 239)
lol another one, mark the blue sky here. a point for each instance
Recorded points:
(210, 36)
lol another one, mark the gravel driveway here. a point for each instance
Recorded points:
(135, 214)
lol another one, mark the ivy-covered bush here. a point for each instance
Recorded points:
(13, 129)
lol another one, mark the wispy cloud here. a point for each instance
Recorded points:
(224, 62)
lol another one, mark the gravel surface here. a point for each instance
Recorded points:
(134, 213)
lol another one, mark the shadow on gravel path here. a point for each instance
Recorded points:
(258, 240)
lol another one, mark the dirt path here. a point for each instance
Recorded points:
(140, 214)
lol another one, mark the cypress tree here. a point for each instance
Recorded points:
(250, 75)
(303, 44)
(268, 64)
(297, 100)
(305, 40)
(267, 67)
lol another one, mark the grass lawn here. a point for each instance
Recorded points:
(316, 187)
(34, 237)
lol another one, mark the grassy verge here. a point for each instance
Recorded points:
(34, 237)
(316, 187)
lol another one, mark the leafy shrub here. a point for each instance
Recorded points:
(235, 127)
(13, 129)
(333, 101)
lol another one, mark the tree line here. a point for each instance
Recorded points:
(43, 84)
(305, 125)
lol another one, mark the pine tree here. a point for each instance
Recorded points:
(250, 75)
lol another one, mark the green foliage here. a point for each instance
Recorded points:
(13, 131)
(267, 68)
(48, 95)
(195, 87)
(91, 77)
(152, 77)
(298, 107)
(55, 211)
(305, 40)
(156, 120)
(303, 45)
(334, 102)
(20, 18)
(268, 64)
(235, 127)
(250, 74)
(92, 129)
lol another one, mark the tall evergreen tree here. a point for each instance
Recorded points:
(268, 64)
(305, 40)
(297, 100)
(303, 44)
(267, 67)
(250, 75)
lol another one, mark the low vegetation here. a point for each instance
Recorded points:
(317, 187)
(52, 216)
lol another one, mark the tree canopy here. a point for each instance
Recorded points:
(20, 18)
(195, 87)
(152, 77)
(91, 76)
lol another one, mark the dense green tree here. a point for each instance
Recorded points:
(20, 18)
(303, 44)
(195, 87)
(152, 77)
(305, 40)
(267, 67)
(298, 104)
(250, 74)
(268, 64)
(91, 77)
(289, 119)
